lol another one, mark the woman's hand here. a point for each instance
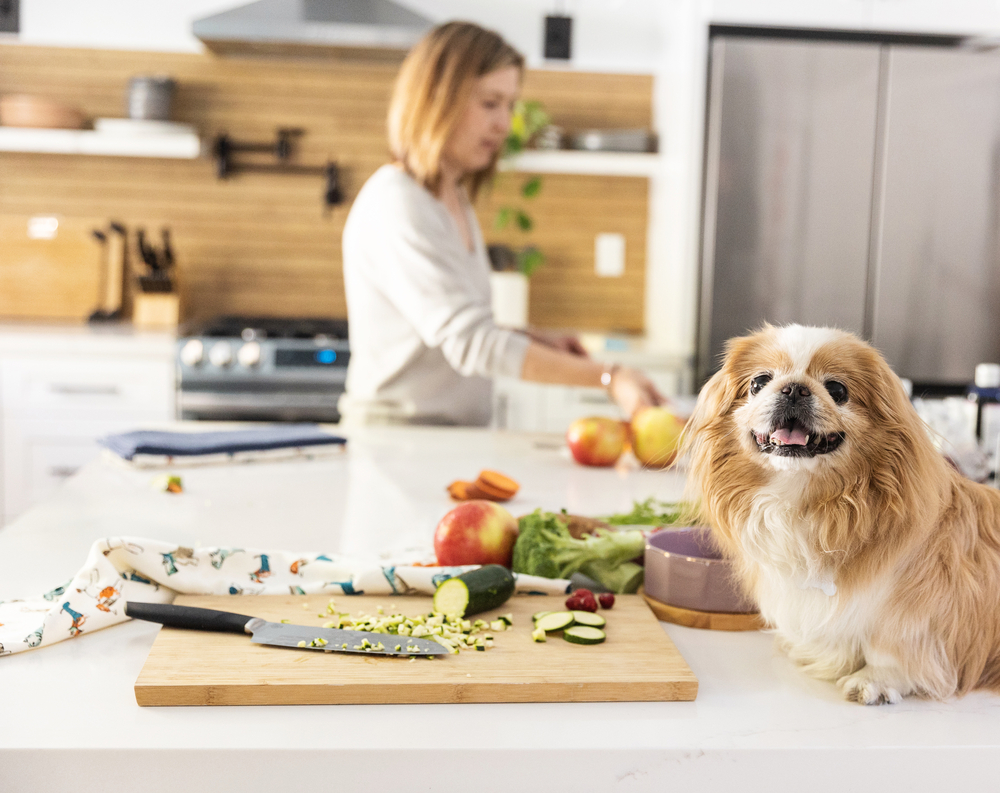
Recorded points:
(632, 390)
(629, 388)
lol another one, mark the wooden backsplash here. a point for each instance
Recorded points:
(263, 244)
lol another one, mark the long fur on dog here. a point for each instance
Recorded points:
(876, 562)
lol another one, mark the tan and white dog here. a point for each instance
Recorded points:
(875, 561)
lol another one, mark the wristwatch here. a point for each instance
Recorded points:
(608, 374)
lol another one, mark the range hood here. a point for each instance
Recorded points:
(345, 28)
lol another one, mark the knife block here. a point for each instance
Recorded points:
(155, 310)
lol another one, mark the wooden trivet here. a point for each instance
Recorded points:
(709, 620)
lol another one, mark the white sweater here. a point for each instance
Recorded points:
(423, 342)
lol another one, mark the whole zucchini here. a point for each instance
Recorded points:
(476, 591)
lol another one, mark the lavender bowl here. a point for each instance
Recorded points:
(684, 569)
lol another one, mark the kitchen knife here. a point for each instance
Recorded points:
(168, 250)
(280, 634)
(146, 252)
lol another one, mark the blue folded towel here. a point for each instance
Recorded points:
(186, 444)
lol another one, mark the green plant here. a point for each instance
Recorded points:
(529, 117)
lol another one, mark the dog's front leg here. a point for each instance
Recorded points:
(824, 662)
(879, 682)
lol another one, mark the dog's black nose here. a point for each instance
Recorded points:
(794, 391)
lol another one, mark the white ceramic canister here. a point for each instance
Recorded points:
(510, 299)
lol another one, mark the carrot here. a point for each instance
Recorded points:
(497, 485)
(490, 485)
(459, 490)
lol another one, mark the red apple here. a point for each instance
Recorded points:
(656, 434)
(597, 440)
(476, 532)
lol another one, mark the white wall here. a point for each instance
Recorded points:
(608, 35)
(116, 24)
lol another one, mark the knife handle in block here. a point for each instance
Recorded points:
(188, 617)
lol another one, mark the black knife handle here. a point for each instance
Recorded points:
(188, 617)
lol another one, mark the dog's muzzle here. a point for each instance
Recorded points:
(792, 432)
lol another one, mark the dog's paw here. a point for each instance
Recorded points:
(865, 688)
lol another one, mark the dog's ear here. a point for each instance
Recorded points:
(889, 402)
(718, 396)
(715, 400)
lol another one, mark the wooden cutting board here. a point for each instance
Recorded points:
(638, 662)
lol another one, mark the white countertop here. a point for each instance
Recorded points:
(69, 718)
(73, 338)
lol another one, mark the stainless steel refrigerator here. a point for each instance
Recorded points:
(854, 183)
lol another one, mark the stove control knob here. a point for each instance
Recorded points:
(221, 353)
(249, 354)
(192, 353)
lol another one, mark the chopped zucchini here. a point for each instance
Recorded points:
(584, 634)
(589, 618)
(476, 591)
(555, 621)
(538, 615)
(538, 635)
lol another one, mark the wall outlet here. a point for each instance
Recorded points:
(609, 255)
(43, 227)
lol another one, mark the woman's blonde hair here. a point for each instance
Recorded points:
(431, 92)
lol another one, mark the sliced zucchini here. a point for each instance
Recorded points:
(476, 591)
(588, 618)
(555, 621)
(584, 634)
(538, 615)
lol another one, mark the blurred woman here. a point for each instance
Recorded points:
(424, 346)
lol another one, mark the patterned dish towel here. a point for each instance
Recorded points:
(119, 569)
(154, 448)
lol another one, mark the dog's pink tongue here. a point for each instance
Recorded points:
(786, 437)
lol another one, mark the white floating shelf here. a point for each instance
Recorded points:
(593, 163)
(174, 145)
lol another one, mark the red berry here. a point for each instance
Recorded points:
(573, 602)
(588, 604)
(583, 593)
(607, 600)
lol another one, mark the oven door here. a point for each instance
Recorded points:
(299, 404)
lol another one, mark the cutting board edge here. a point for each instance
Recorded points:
(185, 695)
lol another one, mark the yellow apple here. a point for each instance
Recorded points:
(597, 440)
(656, 434)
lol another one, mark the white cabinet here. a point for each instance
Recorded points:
(529, 407)
(63, 388)
(89, 386)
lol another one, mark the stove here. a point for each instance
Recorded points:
(234, 368)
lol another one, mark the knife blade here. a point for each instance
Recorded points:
(281, 634)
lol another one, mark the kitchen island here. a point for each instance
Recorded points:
(70, 721)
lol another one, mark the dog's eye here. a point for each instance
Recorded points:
(837, 390)
(758, 383)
